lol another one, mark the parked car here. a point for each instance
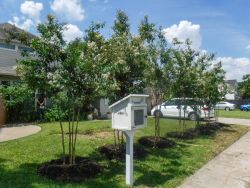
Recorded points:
(175, 108)
(225, 106)
(245, 107)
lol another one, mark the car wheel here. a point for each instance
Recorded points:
(244, 109)
(158, 111)
(227, 109)
(193, 116)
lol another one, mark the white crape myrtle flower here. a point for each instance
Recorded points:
(82, 55)
(49, 75)
(92, 45)
(121, 61)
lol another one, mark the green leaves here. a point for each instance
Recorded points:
(19, 102)
(244, 86)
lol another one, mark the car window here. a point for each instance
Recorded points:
(169, 103)
(222, 103)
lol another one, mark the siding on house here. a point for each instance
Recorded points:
(8, 63)
(232, 90)
(9, 52)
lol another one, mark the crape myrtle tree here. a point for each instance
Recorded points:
(159, 71)
(71, 74)
(189, 66)
(127, 57)
(214, 86)
(244, 87)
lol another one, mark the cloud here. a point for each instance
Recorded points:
(23, 24)
(71, 10)
(32, 10)
(235, 67)
(71, 32)
(248, 47)
(185, 30)
(31, 15)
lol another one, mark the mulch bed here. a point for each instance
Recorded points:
(114, 152)
(157, 142)
(83, 169)
(186, 135)
(209, 128)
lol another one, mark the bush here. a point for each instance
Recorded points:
(53, 114)
(19, 102)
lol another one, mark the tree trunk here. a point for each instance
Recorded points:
(72, 136)
(114, 132)
(69, 139)
(63, 144)
(75, 134)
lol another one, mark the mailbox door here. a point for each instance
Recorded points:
(138, 117)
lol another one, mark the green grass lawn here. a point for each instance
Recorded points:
(20, 158)
(235, 114)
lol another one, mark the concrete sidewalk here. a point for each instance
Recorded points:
(11, 133)
(234, 121)
(230, 169)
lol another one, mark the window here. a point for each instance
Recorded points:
(5, 83)
(7, 46)
(25, 49)
(139, 117)
(170, 103)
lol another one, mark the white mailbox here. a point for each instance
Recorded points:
(129, 113)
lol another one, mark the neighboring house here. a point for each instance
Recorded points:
(232, 90)
(9, 53)
(102, 106)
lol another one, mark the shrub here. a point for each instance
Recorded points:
(19, 102)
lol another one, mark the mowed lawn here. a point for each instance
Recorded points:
(234, 114)
(19, 159)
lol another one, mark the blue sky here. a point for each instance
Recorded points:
(221, 27)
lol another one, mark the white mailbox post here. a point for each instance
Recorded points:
(128, 115)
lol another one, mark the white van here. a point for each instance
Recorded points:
(175, 108)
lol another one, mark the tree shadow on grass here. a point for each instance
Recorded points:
(171, 165)
(208, 130)
(25, 176)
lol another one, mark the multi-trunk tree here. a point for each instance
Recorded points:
(127, 59)
(193, 73)
(72, 75)
(158, 74)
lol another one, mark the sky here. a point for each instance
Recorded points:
(216, 26)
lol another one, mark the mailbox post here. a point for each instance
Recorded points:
(128, 115)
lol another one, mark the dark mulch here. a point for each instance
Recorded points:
(115, 152)
(83, 169)
(186, 135)
(210, 128)
(158, 142)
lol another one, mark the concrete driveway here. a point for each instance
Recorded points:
(235, 121)
(11, 133)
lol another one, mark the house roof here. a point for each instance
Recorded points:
(7, 28)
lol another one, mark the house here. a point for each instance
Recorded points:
(232, 90)
(10, 51)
